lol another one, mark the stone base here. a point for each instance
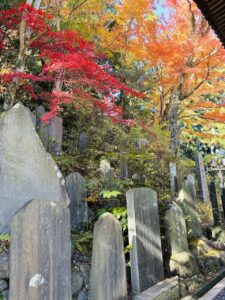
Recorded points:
(209, 258)
(183, 264)
(191, 285)
(165, 290)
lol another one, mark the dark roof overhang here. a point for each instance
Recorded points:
(214, 12)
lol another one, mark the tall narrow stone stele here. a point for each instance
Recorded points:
(108, 272)
(214, 203)
(77, 192)
(144, 236)
(27, 171)
(176, 232)
(188, 202)
(173, 179)
(40, 252)
(55, 135)
(202, 178)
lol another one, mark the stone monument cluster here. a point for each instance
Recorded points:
(40, 207)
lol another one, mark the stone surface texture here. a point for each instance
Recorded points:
(4, 266)
(144, 236)
(214, 203)
(76, 282)
(202, 178)
(165, 290)
(27, 171)
(84, 141)
(42, 127)
(183, 264)
(40, 255)
(55, 135)
(77, 192)
(188, 202)
(108, 272)
(173, 179)
(176, 232)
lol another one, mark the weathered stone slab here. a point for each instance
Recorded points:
(77, 192)
(144, 236)
(181, 261)
(214, 203)
(124, 173)
(202, 178)
(42, 128)
(176, 232)
(104, 168)
(84, 141)
(26, 170)
(108, 273)
(173, 179)
(188, 203)
(40, 252)
(109, 180)
(55, 135)
(165, 290)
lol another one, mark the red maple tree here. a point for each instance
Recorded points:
(84, 76)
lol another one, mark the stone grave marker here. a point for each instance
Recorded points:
(27, 171)
(42, 128)
(40, 254)
(144, 236)
(107, 174)
(181, 261)
(108, 272)
(105, 167)
(84, 141)
(77, 192)
(202, 178)
(214, 203)
(173, 179)
(176, 231)
(55, 135)
(188, 202)
(123, 167)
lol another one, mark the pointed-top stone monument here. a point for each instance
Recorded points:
(27, 171)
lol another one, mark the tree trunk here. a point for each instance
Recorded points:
(174, 127)
(24, 35)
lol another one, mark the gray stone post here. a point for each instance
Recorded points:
(188, 202)
(202, 178)
(214, 203)
(144, 236)
(40, 254)
(108, 272)
(55, 135)
(77, 192)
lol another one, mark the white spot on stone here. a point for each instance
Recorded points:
(63, 182)
(56, 168)
(17, 105)
(37, 280)
(59, 174)
(52, 204)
